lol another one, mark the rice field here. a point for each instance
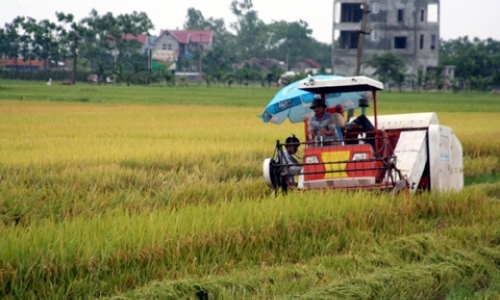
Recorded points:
(156, 193)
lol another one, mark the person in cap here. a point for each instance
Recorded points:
(322, 126)
(292, 167)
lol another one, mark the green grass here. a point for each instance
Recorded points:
(484, 178)
(389, 102)
(156, 193)
(145, 95)
(472, 102)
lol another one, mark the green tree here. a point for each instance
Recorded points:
(218, 59)
(388, 66)
(420, 79)
(254, 38)
(3, 46)
(473, 60)
(46, 42)
(289, 40)
(222, 37)
(168, 76)
(195, 20)
(294, 41)
(273, 75)
(12, 42)
(129, 24)
(223, 43)
(29, 27)
(104, 38)
(72, 44)
(251, 31)
(399, 79)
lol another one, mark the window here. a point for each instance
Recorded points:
(422, 15)
(432, 13)
(375, 8)
(336, 36)
(433, 42)
(374, 35)
(351, 13)
(401, 15)
(421, 41)
(337, 12)
(164, 47)
(400, 42)
(169, 46)
(348, 40)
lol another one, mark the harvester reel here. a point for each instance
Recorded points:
(271, 173)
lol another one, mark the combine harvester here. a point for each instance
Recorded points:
(405, 152)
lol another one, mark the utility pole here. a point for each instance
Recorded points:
(361, 42)
(201, 54)
(150, 61)
(286, 64)
(75, 50)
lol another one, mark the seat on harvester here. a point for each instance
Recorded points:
(338, 115)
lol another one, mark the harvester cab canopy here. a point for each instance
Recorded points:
(346, 85)
(341, 85)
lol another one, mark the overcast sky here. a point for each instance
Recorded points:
(475, 18)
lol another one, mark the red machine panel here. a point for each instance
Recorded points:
(340, 162)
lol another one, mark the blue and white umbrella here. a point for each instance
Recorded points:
(293, 103)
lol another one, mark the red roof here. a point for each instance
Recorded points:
(313, 63)
(21, 62)
(191, 36)
(141, 38)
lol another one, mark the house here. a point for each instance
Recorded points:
(183, 42)
(263, 65)
(307, 65)
(167, 47)
(409, 28)
(145, 40)
(20, 64)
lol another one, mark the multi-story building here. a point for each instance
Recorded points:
(409, 28)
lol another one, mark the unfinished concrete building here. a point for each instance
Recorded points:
(409, 28)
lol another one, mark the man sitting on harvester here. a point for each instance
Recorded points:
(292, 167)
(322, 126)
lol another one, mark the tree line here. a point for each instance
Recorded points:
(102, 49)
(476, 62)
(98, 40)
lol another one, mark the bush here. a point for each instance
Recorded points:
(43, 75)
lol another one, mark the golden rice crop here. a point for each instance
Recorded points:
(99, 198)
(48, 132)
